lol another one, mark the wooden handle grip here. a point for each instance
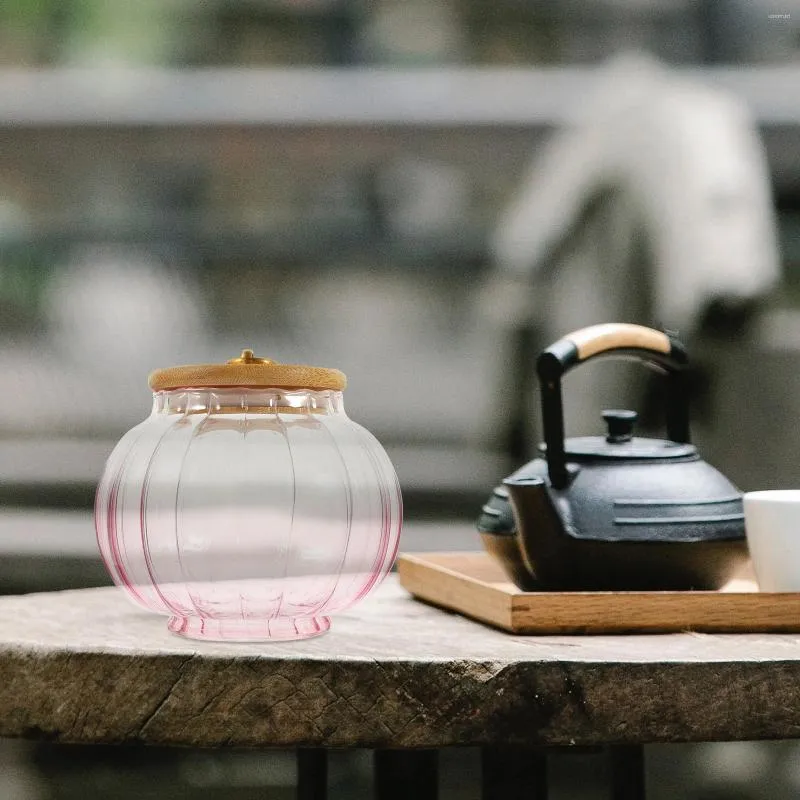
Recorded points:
(618, 336)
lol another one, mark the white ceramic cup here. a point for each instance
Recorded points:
(772, 524)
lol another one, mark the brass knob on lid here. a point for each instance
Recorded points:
(248, 357)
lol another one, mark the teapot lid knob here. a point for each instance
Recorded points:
(620, 424)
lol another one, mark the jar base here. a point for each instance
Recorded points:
(281, 629)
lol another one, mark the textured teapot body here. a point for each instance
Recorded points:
(685, 500)
(248, 513)
(627, 525)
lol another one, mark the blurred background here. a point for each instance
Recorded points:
(422, 193)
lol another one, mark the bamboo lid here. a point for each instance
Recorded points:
(247, 370)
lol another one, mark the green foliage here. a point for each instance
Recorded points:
(26, 12)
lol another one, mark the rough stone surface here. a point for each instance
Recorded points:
(86, 666)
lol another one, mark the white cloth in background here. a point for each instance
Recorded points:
(688, 160)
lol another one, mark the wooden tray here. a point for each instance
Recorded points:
(473, 584)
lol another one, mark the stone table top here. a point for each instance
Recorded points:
(87, 666)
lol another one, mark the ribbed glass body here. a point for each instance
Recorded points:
(248, 514)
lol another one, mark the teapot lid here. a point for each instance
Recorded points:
(620, 443)
(248, 370)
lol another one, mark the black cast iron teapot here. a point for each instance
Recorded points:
(616, 512)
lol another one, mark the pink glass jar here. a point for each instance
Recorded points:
(252, 509)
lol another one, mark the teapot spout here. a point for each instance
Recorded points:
(529, 498)
(539, 528)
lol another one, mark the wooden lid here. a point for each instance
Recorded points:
(247, 370)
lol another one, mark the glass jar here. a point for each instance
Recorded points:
(248, 506)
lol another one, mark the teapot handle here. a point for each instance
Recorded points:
(649, 346)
